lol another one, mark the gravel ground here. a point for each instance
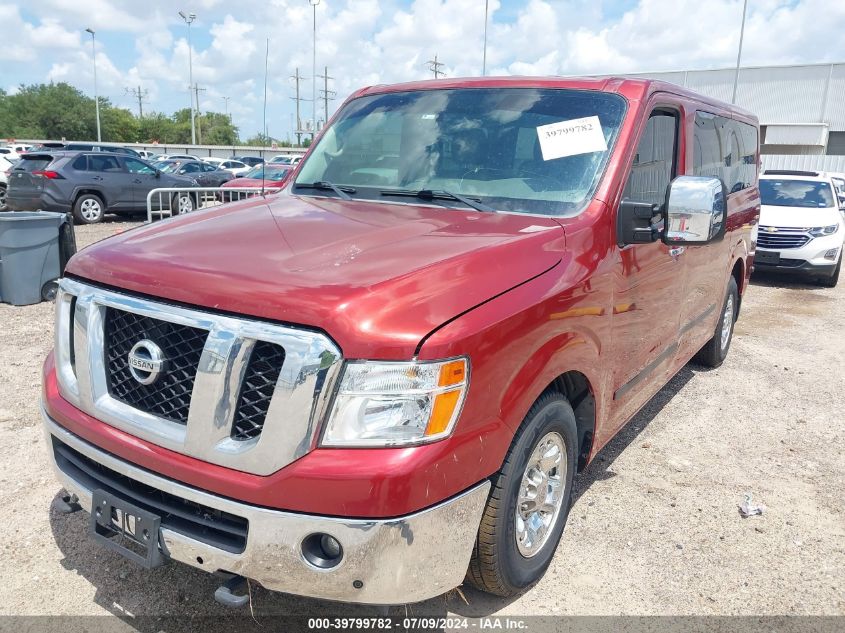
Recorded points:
(654, 530)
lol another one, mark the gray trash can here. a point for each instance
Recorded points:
(34, 248)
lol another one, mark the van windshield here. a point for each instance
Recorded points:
(795, 193)
(526, 150)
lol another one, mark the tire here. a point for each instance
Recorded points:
(830, 282)
(89, 209)
(3, 206)
(500, 564)
(716, 349)
(182, 203)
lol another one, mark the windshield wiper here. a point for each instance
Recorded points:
(440, 194)
(324, 185)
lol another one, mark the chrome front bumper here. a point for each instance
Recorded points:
(386, 561)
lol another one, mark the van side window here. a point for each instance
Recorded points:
(654, 162)
(725, 149)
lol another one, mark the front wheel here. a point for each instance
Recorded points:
(529, 501)
(2, 197)
(716, 349)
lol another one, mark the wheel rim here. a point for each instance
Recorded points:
(185, 205)
(727, 321)
(90, 209)
(540, 496)
(2, 197)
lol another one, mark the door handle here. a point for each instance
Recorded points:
(137, 181)
(676, 251)
(96, 178)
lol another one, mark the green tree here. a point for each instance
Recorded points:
(156, 127)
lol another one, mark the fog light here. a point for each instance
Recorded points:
(322, 550)
(831, 254)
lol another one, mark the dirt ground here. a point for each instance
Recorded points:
(654, 530)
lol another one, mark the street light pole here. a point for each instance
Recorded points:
(739, 52)
(314, 4)
(96, 97)
(189, 18)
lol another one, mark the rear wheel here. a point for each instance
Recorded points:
(2, 197)
(89, 209)
(716, 349)
(830, 282)
(529, 501)
(182, 203)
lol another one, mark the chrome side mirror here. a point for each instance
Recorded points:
(695, 210)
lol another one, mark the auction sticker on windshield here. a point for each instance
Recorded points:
(568, 138)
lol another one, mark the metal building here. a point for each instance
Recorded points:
(801, 108)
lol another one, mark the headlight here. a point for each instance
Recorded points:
(821, 231)
(397, 404)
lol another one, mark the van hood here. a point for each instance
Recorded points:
(798, 217)
(375, 277)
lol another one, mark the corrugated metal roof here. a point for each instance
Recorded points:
(815, 162)
(808, 134)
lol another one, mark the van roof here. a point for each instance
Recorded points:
(630, 88)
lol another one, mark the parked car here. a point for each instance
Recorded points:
(177, 157)
(252, 161)
(205, 174)
(9, 154)
(97, 147)
(270, 176)
(801, 225)
(146, 154)
(90, 184)
(229, 164)
(383, 380)
(5, 168)
(286, 159)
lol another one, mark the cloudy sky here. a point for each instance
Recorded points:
(364, 42)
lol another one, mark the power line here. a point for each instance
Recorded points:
(434, 66)
(326, 94)
(140, 95)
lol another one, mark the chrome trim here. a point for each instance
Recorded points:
(401, 560)
(312, 363)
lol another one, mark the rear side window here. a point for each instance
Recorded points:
(725, 149)
(103, 163)
(80, 163)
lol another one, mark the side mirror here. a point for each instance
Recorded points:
(158, 173)
(695, 210)
(181, 171)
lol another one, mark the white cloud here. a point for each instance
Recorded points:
(364, 42)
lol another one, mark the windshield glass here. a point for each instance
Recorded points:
(524, 150)
(269, 172)
(795, 193)
(167, 166)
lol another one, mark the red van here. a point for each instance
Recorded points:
(382, 381)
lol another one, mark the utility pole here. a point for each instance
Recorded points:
(434, 66)
(140, 95)
(484, 56)
(96, 96)
(314, 4)
(328, 95)
(226, 105)
(298, 131)
(197, 90)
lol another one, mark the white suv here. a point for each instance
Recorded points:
(801, 225)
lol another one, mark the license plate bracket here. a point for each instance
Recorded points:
(126, 529)
(767, 257)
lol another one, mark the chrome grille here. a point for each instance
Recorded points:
(776, 237)
(170, 395)
(244, 394)
(265, 363)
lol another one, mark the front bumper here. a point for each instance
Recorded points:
(386, 561)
